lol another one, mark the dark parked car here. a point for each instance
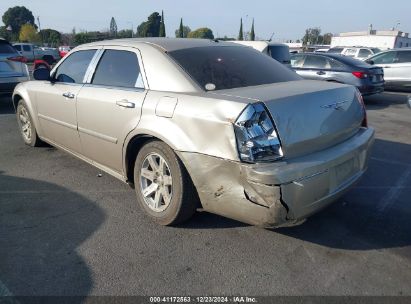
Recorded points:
(13, 69)
(337, 68)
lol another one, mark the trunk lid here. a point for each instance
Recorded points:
(309, 115)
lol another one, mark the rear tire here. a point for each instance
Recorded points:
(163, 187)
(26, 125)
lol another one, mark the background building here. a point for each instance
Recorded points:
(372, 38)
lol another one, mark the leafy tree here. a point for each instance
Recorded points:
(312, 36)
(240, 33)
(204, 33)
(162, 32)
(327, 38)
(252, 33)
(185, 32)
(151, 27)
(124, 34)
(50, 37)
(113, 27)
(28, 33)
(81, 38)
(17, 16)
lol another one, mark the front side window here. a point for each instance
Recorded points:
(73, 69)
(26, 48)
(118, 69)
(403, 57)
(228, 67)
(385, 58)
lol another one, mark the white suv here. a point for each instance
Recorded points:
(361, 53)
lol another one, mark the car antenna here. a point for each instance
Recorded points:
(271, 37)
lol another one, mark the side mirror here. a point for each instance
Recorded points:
(41, 74)
(369, 61)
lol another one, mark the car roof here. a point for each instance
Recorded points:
(167, 44)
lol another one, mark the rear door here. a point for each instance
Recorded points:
(315, 67)
(56, 101)
(109, 105)
(401, 69)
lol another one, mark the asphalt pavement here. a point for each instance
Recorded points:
(66, 231)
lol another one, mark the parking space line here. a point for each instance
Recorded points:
(392, 195)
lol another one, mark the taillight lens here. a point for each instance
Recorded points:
(18, 59)
(364, 122)
(360, 75)
(257, 138)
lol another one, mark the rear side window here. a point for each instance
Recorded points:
(350, 52)
(73, 69)
(118, 69)
(6, 48)
(364, 53)
(315, 62)
(403, 56)
(228, 67)
(297, 61)
(335, 50)
(26, 48)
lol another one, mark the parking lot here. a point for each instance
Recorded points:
(65, 230)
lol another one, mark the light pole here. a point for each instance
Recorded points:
(132, 28)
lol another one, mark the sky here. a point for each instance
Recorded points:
(286, 19)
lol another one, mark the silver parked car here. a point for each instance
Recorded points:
(13, 69)
(397, 67)
(195, 123)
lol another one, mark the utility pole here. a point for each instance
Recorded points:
(41, 34)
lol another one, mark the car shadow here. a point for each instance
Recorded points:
(374, 214)
(6, 105)
(386, 99)
(42, 226)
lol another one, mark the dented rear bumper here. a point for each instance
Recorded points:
(280, 193)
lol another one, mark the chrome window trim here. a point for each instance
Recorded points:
(138, 90)
(54, 70)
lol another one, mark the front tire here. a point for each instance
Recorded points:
(163, 187)
(26, 125)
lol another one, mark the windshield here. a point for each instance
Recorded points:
(228, 67)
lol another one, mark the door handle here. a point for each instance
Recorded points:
(68, 95)
(320, 73)
(125, 104)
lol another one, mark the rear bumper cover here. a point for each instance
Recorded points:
(8, 84)
(281, 193)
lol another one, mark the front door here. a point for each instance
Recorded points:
(109, 107)
(56, 101)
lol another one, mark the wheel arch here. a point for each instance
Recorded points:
(133, 145)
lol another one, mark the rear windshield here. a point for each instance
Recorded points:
(228, 67)
(352, 61)
(6, 48)
(280, 53)
(335, 50)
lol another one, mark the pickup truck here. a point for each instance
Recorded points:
(33, 52)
